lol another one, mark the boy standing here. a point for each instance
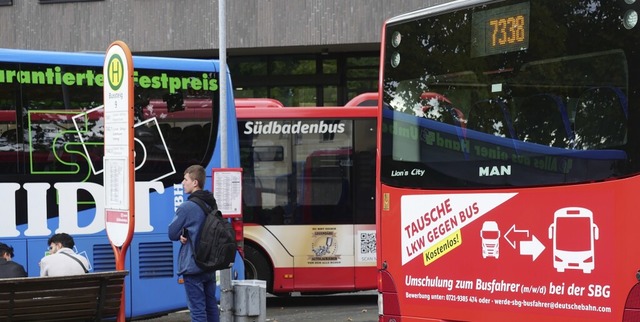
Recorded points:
(199, 285)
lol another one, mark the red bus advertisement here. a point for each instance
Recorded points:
(308, 195)
(508, 162)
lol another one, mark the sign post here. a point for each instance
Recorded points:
(226, 295)
(226, 184)
(119, 161)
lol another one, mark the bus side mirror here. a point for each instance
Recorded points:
(551, 231)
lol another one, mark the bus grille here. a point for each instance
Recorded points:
(156, 259)
(103, 258)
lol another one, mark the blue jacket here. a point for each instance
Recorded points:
(189, 216)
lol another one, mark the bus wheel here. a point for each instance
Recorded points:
(257, 267)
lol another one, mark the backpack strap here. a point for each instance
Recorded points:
(77, 260)
(207, 210)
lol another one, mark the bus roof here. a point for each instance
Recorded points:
(97, 59)
(257, 102)
(443, 7)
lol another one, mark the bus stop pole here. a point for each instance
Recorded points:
(226, 294)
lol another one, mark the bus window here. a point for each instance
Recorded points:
(268, 153)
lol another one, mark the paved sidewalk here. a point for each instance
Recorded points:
(181, 316)
(349, 307)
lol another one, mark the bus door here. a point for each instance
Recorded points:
(363, 185)
(323, 162)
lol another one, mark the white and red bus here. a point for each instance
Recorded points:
(508, 162)
(308, 194)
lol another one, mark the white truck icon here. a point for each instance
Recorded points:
(490, 239)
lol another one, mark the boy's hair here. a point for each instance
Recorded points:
(196, 172)
(6, 249)
(63, 238)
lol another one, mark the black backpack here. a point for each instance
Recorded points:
(216, 246)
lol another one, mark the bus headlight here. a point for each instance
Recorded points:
(395, 59)
(630, 19)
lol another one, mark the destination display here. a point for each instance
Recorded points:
(500, 30)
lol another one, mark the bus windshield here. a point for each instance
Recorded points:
(503, 97)
(578, 242)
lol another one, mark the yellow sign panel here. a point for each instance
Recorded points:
(441, 248)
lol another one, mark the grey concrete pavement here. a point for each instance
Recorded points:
(350, 307)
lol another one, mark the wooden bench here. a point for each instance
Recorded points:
(87, 297)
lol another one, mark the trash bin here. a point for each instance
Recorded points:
(250, 300)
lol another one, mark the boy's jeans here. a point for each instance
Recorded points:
(201, 297)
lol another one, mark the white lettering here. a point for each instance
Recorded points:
(8, 214)
(178, 196)
(67, 197)
(274, 127)
(37, 209)
(494, 171)
(143, 212)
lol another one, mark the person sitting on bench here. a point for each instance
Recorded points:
(9, 268)
(62, 260)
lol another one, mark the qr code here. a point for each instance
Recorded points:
(367, 242)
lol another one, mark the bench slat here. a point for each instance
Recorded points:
(66, 298)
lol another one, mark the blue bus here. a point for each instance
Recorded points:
(51, 161)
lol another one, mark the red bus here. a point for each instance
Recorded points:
(508, 162)
(308, 195)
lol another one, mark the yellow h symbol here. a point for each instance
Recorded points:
(115, 72)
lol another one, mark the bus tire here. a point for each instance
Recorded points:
(256, 266)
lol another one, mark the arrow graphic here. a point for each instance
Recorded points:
(513, 230)
(533, 247)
